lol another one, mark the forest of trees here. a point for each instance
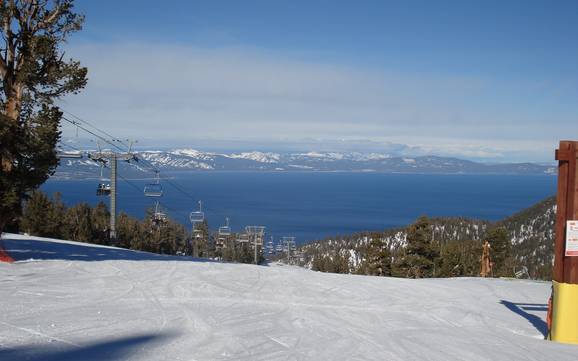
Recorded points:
(421, 255)
(431, 247)
(49, 217)
(444, 247)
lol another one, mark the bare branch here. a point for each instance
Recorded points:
(48, 20)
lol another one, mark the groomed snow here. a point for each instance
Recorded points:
(79, 302)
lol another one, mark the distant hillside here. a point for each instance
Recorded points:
(193, 160)
(531, 234)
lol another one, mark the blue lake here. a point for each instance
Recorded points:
(312, 205)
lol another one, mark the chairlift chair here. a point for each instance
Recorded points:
(197, 216)
(159, 218)
(103, 189)
(220, 242)
(243, 238)
(64, 154)
(197, 233)
(225, 230)
(154, 189)
(522, 272)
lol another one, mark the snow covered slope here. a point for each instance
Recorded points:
(70, 301)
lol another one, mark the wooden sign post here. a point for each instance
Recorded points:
(564, 302)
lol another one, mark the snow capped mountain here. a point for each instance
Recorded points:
(257, 157)
(192, 159)
(335, 156)
(192, 153)
(179, 159)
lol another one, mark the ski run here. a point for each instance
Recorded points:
(71, 301)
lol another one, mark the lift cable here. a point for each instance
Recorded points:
(94, 127)
(79, 125)
(138, 189)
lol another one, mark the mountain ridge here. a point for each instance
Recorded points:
(188, 159)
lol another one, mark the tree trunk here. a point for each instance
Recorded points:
(12, 112)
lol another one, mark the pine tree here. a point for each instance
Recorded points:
(33, 75)
(420, 254)
(378, 262)
(460, 258)
(341, 263)
(37, 217)
(500, 251)
(130, 232)
(78, 223)
(100, 219)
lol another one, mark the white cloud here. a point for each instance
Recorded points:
(175, 93)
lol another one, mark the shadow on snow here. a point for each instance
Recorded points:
(36, 249)
(111, 349)
(39, 249)
(522, 310)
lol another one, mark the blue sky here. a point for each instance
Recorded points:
(486, 80)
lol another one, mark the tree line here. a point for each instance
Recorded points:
(416, 254)
(45, 216)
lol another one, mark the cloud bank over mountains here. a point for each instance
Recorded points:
(249, 98)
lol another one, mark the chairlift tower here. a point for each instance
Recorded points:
(289, 244)
(102, 157)
(255, 234)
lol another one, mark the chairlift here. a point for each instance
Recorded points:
(154, 189)
(103, 189)
(64, 154)
(198, 234)
(220, 242)
(522, 272)
(197, 216)
(226, 229)
(159, 218)
(243, 238)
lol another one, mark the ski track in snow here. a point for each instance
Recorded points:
(173, 309)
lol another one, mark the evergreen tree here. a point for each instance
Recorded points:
(33, 73)
(129, 232)
(317, 264)
(378, 258)
(36, 219)
(500, 251)
(420, 254)
(460, 258)
(100, 219)
(78, 223)
(340, 263)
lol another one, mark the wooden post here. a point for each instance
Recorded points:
(563, 310)
(566, 268)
